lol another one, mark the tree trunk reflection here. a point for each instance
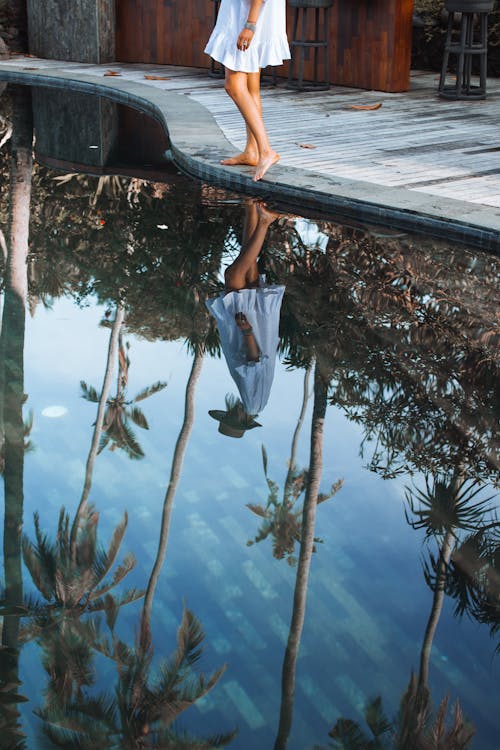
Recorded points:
(304, 562)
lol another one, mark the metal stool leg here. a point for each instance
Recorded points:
(316, 49)
(483, 60)
(291, 65)
(302, 49)
(469, 41)
(447, 44)
(326, 19)
(461, 57)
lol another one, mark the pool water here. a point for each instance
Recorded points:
(164, 582)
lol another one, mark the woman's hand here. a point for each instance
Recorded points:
(245, 39)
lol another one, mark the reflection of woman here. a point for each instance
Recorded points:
(247, 315)
(248, 36)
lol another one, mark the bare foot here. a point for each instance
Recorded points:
(265, 214)
(245, 159)
(267, 161)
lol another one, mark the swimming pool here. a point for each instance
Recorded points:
(261, 588)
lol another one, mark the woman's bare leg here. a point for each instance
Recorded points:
(250, 155)
(243, 272)
(242, 88)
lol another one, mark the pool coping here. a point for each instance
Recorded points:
(198, 144)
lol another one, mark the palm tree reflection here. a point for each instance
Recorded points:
(143, 708)
(474, 578)
(413, 729)
(73, 580)
(121, 410)
(321, 382)
(448, 504)
(282, 519)
(101, 411)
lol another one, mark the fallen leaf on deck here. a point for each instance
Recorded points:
(306, 145)
(112, 73)
(365, 106)
(157, 78)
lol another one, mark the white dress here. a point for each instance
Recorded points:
(261, 307)
(269, 45)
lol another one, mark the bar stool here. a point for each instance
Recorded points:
(216, 69)
(300, 46)
(467, 41)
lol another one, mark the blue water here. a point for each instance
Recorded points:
(367, 599)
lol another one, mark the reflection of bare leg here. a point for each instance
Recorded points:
(244, 89)
(243, 271)
(251, 219)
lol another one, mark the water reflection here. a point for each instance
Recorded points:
(116, 413)
(282, 519)
(79, 132)
(448, 505)
(247, 313)
(12, 398)
(71, 572)
(399, 337)
(307, 539)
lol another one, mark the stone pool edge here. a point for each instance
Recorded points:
(198, 144)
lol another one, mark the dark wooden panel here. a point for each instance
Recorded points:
(169, 32)
(370, 40)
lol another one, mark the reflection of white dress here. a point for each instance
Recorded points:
(269, 45)
(262, 309)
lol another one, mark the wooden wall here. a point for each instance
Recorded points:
(170, 32)
(370, 40)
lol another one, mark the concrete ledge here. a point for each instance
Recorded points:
(198, 144)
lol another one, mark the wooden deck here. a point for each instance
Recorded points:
(414, 140)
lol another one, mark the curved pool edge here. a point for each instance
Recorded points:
(198, 144)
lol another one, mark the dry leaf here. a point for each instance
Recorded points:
(306, 145)
(365, 106)
(157, 78)
(112, 73)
